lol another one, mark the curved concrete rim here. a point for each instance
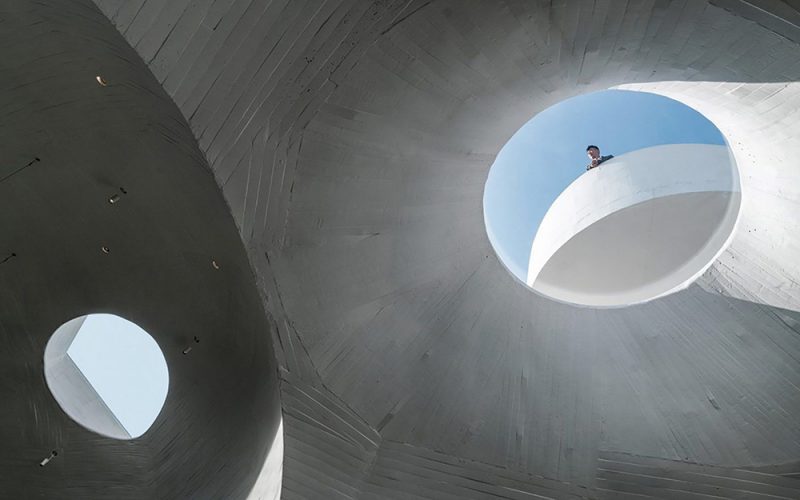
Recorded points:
(623, 183)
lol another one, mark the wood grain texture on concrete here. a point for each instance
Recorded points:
(351, 141)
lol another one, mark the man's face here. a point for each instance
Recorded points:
(593, 153)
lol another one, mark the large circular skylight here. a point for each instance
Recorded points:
(657, 206)
(107, 374)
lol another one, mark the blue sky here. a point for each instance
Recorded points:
(126, 368)
(549, 152)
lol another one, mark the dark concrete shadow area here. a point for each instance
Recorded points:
(68, 144)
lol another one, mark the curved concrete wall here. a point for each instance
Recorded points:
(68, 145)
(351, 141)
(642, 252)
(657, 247)
(759, 265)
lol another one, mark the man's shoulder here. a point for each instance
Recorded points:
(599, 161)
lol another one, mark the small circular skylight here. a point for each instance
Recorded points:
(107, 374)
(640, 215)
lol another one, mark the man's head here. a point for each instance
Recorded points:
(593, 152)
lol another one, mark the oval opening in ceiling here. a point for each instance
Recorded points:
(657, 207)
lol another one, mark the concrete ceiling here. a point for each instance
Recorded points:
(351, 141)
(222, 408)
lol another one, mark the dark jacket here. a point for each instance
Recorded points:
(599, 161)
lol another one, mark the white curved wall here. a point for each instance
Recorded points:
(655, 247)
(761, 264)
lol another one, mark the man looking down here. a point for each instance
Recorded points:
(594, 156)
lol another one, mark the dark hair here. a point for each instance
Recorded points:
(590, 146)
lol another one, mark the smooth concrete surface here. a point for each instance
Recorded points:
(268, 483)
(222, 409)
(680, 203)
(351, 141)
(642, 252)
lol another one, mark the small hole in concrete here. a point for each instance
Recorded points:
(107, 374)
